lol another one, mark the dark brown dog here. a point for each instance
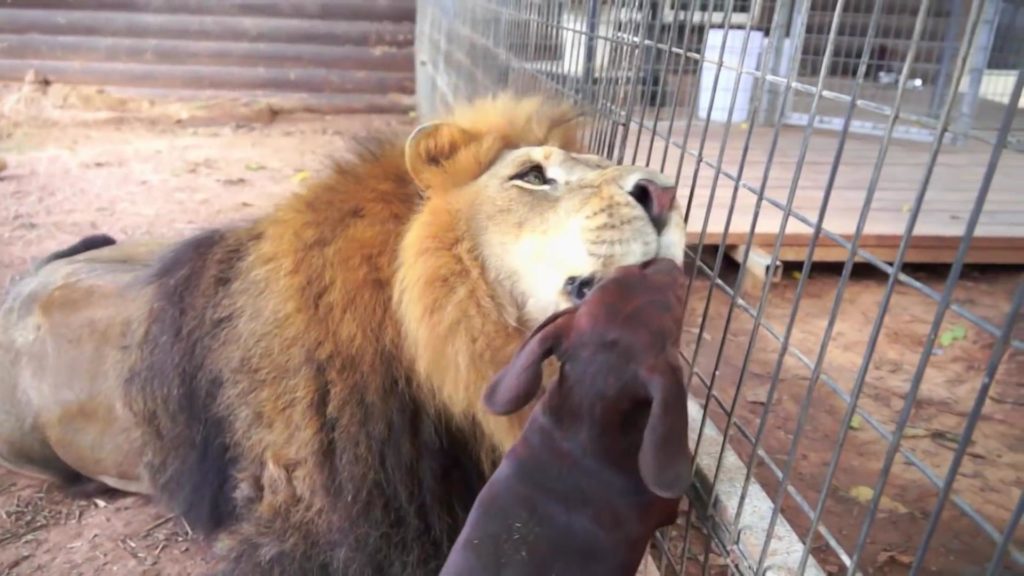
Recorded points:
(604, 460)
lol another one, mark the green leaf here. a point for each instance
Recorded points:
(912, 432)
(856, 422)
(951, 335)
(864, 494)
(946, 436)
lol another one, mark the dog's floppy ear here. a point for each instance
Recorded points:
(665, 459)
(519, 381)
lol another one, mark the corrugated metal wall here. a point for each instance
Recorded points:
(350, 51)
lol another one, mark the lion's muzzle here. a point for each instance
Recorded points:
(656, 200)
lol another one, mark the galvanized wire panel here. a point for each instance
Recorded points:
(749, 104)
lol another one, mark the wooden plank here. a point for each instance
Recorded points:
(778, 187)
(757, 261)
(870, 242)
(949, 199)
(879, 229)
(1004, 211)
(878, 233)
(925, 255)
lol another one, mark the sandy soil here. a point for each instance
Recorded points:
(167, 171)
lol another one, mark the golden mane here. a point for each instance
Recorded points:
(299, 345)
(457, 335)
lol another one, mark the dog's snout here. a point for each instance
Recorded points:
(655, 199)
(665, 270)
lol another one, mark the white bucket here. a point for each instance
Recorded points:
(727, 78)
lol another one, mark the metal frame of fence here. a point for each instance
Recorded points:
(634, 64)
(930, 72)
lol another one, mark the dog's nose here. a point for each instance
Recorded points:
(655, 199)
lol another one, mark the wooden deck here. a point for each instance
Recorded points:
(951, 194)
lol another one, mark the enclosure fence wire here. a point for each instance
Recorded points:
(718, 93)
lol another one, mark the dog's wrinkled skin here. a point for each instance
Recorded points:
(307, 384)
(604, 458)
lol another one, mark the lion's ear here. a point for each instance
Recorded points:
(431, 147)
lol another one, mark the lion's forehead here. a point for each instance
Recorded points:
(572, 171)
(560, 165)
(567, 167)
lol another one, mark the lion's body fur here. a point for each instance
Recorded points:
(286, 354)
(308, 384)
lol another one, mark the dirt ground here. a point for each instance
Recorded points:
(992, 474)
(155, 170)
(132, 168)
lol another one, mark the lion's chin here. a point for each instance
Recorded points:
(672, 241)
(553, 280)
(671, 249)
(670, 245)
(577, 287)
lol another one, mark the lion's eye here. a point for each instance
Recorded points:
(534, 176)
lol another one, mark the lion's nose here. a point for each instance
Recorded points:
(655, 199)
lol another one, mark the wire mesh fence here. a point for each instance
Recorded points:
(865, 419)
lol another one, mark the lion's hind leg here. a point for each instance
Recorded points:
(42, 464)
(67, 480)
(84, 487)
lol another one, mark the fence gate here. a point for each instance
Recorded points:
(874, 145)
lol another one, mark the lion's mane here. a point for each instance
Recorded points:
(308, 381)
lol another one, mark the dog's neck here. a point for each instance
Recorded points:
(587, 448)
(598, 406)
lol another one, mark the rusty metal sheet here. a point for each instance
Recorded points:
(301, 46)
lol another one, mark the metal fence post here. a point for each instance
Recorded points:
(775, 61)
(589, 50)
(976, 71)
(954, 28)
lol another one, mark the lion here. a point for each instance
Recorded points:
(305, 387)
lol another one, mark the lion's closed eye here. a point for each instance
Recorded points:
(533, 176)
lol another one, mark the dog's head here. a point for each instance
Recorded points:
(620, 352)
